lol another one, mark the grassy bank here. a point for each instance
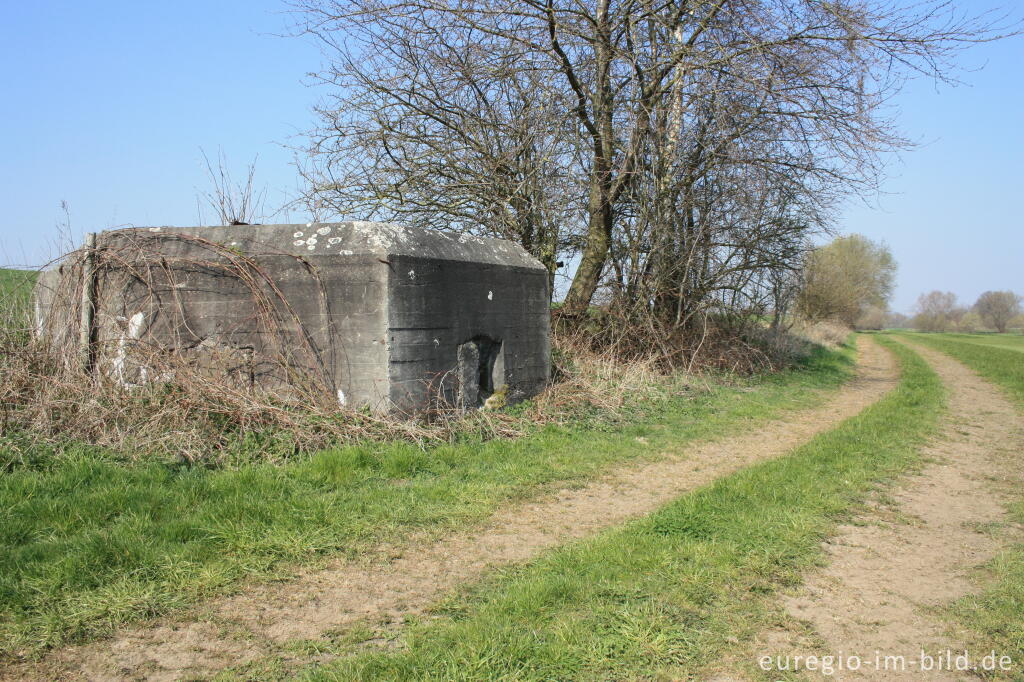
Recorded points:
(670, 594)
(997, 612)
(89, 541)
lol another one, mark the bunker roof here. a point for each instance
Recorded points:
(357, 237)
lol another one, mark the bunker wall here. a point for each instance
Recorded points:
(438, 306)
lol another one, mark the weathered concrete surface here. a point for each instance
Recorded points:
(376, 313)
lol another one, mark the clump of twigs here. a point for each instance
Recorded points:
(234, 203)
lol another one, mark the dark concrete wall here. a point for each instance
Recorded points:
(437, 305)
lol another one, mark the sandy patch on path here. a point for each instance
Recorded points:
(406, 581)
(888, 570)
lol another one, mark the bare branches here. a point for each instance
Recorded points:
(680, 153)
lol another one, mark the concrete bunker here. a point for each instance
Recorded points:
(370, 314)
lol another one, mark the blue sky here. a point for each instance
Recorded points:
(106, 105)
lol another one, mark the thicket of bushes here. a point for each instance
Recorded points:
(603, 371)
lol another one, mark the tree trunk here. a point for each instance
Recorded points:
(595, 254)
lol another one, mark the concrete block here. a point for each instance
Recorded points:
(392, 317)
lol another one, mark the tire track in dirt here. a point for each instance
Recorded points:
(888, 571)
(408, 580)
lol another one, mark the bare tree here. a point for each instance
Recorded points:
(895, 320)
(436, 124)
(997, 308)
(679, 152)
(969, 321)
(936, 311)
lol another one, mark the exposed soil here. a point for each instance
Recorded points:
(405, 581)
(889, 570)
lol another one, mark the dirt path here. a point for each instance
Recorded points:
(888, 571)
(258, 622)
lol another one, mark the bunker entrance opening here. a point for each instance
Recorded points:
(481, 371)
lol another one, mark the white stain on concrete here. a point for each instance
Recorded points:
(381, 235)
(412, 274)
(299, 242)
(490, 295)
(299, 234)
(133, 332)
(324, 230)
(334, 240)
(135, 325)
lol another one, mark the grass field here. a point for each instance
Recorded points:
(15, 280)
(15, 290)
(997, 357)
(1004, 341)
(89, 542)
(996, 613)
(671, 593)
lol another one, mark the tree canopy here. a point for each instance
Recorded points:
(846, 279)
(997, 308)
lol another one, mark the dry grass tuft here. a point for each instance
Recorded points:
(826, 333)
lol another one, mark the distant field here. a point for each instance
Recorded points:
(16, 281)
(997, 357)
(15, 294)
(1007, 341)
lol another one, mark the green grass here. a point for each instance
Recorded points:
(995, 357)
(13, 280)
(89, 542)
(996, 614)
(1005, 341)
(668, 595)
(16, 289)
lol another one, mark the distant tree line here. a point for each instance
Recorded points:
(940, 311)
(678, 156)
